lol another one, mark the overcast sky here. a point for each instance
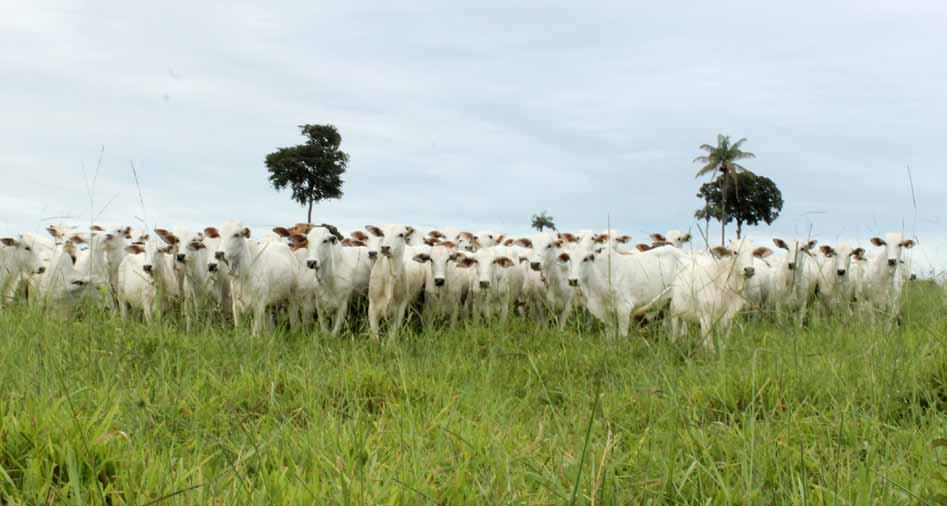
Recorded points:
(476, 116)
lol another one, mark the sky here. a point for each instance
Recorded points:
(476, 116)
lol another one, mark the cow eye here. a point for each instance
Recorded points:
(236, 235)
(401, 235)
(29, 248)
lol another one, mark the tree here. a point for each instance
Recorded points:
(313, 171)
(543, 220)
(723, 158)
(749, 199)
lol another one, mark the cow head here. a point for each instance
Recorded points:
(893, 244)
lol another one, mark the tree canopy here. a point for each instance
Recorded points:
(748, 199)
(723, 158)
(543, 220)
(313, 171)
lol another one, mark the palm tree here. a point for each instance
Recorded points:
(723, 158)
(543, 220)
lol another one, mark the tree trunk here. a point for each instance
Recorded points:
(309, 215)
(723, 212)
(739, 228)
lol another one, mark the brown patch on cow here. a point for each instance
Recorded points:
(658, 244)
(281, 231)
(77, 239)
(421, 258)
(600, 238)
(465, 235)
(827, 250)
(721, 251)
(212, 232)
(301, 228)
(563, 257)
(96, 228)
(499, 239)
(408, 232)
(809, 245)
(449, 244)
(566, 236)
(127, 232)
(465, 262)
(858, 253)
(642, 247)
(503, 262)
(762, 252)
(877, 241)
(195, 245)
(508, 242)
(298, 238)
(430, 241)
(246, 232)
(623, 239)
(557, 243)
(353, 244)
(908, 244)
(377, 232)
(780, 244)
(7, 241)
(686, 237)
(526, 243)
(135, 249)
(166, 236)
(54, 232)
(657, 237)
(436, 234)
(358, 235)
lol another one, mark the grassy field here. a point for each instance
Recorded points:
(101, 411)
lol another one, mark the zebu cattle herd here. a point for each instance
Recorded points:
(314, 273)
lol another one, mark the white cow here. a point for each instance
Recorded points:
(673, 237)
(394, 283)
(709, 290)
(445, 285)
(60, 288)
(619, 285)
(882, 279)
(18, 262)
(558, 296)
(262, 275)
(758, 287)
(836, 288)
(342, 273)
(146, 279)
(791, 286)
(220, 285)
(490, 290)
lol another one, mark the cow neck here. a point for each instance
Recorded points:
(335, 260)
(396, 264)
(249, 253)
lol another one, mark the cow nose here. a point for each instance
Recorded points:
(312, 264)
(438, 281)
(840, 272)
(219, 255)
(484, 284)
(386, 250)
(372, 254)
(41, 270)
(792, 266)
(749, 271)
(147, 268)
(892, 262)
(212, 267)
(534, 266)
(180, 257)
(573, 282)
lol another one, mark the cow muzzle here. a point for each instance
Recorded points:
(212, 267)
(438, 281)
(219, 255)
(313, 264)
(840, 272)
(892, 262)
(181, 257)
(484, 284)
(573, 282)
(372, 255)
(748, 272)
(41, 270)
(791, 266)
(386, 250)
(147, 268)
(534, 266)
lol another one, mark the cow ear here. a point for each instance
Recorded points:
(503, 262)
(508, 242)
(908, 244)
(281, 231)
(7, 241)
(127, 232)
(721, 251)
(686, 237)
(466, 262)
(96, 228)
(762, 252)
(500, 239)
(246, 232)
(526, 243)
(358, 243)
(624, 239)
(212, 232)
(780, 244)
(76, 239)
(166, 236)
(435, 234)
(408, 231)
(422, 257)
(827, 250)
(642, 247)
(135, 249)
(358, 235)
(877, 241)
(375, 231)
(298, 238)
(54, 232)
(657, 237)
(858, 252)
(430, 241)
(557, 243)
(811, 244)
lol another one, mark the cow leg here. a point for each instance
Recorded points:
(259, 313)
(340, 314)
(373, 317)
(398, 319)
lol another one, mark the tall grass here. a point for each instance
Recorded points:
(104, 411)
